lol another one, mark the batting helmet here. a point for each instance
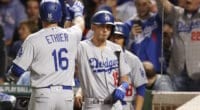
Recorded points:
(50, 11)
(103, 17)
(122, 29)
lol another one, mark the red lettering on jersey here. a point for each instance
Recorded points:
(129, 91)
(116, 77)
(195, 36)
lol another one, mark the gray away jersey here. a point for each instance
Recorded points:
(99, 69)
(50, 55)
(137, 74)
(186, 41)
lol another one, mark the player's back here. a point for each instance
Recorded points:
(54, 51)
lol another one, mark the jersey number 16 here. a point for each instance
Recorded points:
(60, 59)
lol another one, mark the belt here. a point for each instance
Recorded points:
(60, 86)
(97, 101)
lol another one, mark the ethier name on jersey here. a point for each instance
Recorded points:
(103, 66)
(60, 37)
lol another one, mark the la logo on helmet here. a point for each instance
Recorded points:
(50, 17)
(107, 17)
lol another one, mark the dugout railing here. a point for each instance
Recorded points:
(154, 100)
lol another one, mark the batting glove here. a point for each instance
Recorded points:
(120, 92)
(76, 7)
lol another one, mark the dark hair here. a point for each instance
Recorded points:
(33, 27)
(150, 73)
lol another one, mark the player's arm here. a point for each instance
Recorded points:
(74, 9)
(22, 61)
(124, 69)
(140, 97)
(78, 98)
(14, 73)
(166, 4)
(124, 78)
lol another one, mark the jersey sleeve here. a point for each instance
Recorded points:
(25, 55)
(76, 32)
(138, 75)
(124, 67)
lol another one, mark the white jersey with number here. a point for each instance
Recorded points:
(99, 69)
(186, 41)
(50, 55)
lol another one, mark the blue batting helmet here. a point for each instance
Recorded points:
(50, 11)
(103, 17)
(122, 29)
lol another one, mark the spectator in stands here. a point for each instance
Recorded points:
(12, 12)
(32, 9)
(184, 64)
(146, 32)
(156, 81)
(167, 42)
(25, 28)
(125, 9)
(181, 3)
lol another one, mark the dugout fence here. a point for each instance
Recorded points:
(154, 100)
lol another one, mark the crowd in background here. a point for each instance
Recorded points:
(151, 35)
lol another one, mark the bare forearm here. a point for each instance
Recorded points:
(124, 78)
(139, 102)
(80, 22)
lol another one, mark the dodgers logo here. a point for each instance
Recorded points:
(187, 27)
(142, 72)
(20, 52)
(99, 66)
(119, 29)
(107, 17)
(50, 17)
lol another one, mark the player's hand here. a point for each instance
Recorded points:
(78, 101)
(136, 29)
(120, 92)
(76, 7)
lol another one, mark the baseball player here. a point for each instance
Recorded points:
(136, 91)
(185, 61)
(50, 56)
(99, 66)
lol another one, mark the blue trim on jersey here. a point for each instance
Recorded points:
(141, 90)
(18, 71)
(64, 87)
